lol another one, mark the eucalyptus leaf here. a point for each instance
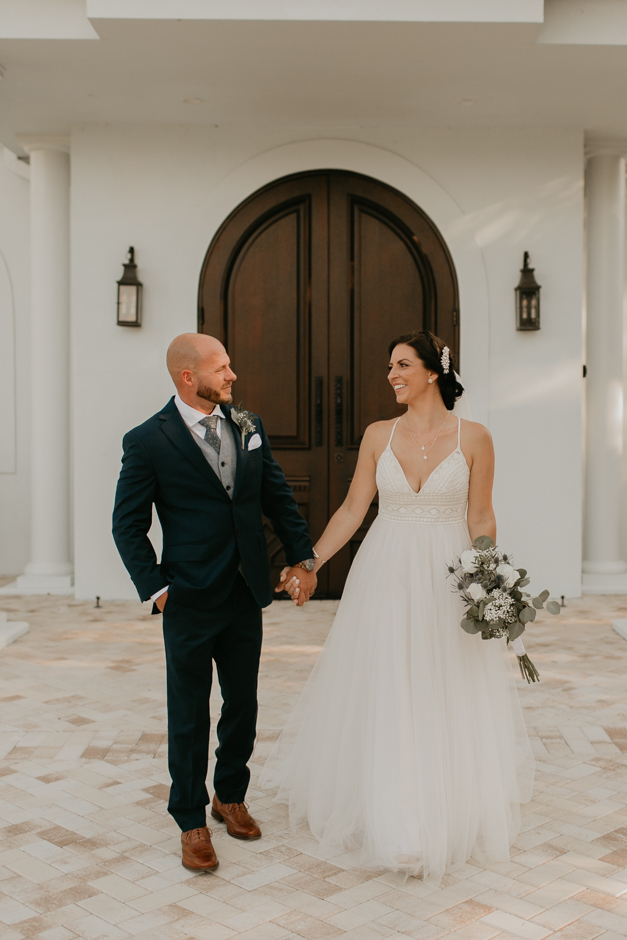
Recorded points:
(516, 630)
(481, 609)
(527, 615)
(517, 595)
(537, 602)
(553, 607)
(483, 542)
(469, 626)
(473, 612)
(544, 596)
(522, 572)
(523, 583)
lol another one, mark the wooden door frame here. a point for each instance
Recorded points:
(268, 187)
(393, 202)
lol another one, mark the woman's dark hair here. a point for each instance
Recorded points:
(429, 348)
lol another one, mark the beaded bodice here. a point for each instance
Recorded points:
(442, 499)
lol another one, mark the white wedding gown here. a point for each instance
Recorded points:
(408, 746)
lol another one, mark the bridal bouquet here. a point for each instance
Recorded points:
(496, 605)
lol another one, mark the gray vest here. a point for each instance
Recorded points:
(224, 464)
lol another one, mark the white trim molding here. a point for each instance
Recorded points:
(409, 11)
(605, 147)
(31, 142)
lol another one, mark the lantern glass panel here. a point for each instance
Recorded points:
(128, 303)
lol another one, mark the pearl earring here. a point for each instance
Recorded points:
(430, 381)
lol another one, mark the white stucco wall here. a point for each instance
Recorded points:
(14, 373)
(493, 193)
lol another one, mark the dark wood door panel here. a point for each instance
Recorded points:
(264, 293)
(382, 307)
(261, 309)
(306, 283)
(390, 273)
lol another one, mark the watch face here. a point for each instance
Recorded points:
(309, 564)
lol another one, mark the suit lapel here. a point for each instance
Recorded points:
(180, 435)
(242, 452)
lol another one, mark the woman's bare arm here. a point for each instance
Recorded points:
(481, 519)
(348, 518)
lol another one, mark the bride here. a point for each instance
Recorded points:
(408, 747)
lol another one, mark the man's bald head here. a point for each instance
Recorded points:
(187, 350)
(200, 369)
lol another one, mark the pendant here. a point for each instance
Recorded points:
(425, 457)
(422, 448)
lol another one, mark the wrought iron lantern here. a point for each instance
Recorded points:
(527, 298)
(130, 294)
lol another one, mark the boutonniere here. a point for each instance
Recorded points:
(244, 420)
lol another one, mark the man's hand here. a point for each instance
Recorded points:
(298, 583)
(161, 601)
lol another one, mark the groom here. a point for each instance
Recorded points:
(209, 471)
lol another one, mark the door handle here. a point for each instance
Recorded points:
(318, 412)
(339, 411)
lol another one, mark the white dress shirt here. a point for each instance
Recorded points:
(192, 419)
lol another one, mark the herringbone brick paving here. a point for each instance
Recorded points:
(87, 849)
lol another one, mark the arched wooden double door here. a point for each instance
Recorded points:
(306, 283)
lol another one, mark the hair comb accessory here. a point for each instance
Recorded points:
(445, 360)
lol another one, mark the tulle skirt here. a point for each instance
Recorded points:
(408, 746)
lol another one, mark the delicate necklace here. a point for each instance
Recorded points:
(425, 447)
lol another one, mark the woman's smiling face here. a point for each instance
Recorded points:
(408, 375)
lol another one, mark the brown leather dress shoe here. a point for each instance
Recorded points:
(198, 852)
(239, 823)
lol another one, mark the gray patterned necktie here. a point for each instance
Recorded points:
(211, 434)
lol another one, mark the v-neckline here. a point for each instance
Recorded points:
(409, 486)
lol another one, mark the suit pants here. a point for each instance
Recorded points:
(231, 636)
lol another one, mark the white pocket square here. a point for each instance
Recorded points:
(254, 442)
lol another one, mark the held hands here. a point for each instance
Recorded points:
(298, 583)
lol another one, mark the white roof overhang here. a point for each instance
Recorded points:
(313, 62)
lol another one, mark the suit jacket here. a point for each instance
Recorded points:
(206, 534)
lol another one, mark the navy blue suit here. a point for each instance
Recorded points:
(213, 613)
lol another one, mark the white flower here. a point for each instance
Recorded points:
(501, 607)
(476, 591)
(469, 560)
(510, 575)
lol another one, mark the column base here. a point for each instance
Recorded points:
(11, 630)
(604, 583)
(38, 584)
(620, 627)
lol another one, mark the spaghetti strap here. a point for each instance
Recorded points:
(393, 430)
(459, 433)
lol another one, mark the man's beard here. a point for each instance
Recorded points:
(210, 394)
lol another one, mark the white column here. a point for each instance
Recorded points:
(50, 569)
(604, 570)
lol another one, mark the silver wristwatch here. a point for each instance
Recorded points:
(307, 565)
